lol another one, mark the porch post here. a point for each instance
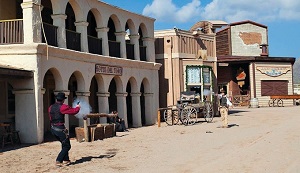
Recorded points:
(102, 33)
(120, 36)
(32, 23)
(136, 109)
(134, 39)
(59, 21)
(81, 27)
(149, 43)
(103, 105)
(122, 107)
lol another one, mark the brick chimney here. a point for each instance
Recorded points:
(264, 50)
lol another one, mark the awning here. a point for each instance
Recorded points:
(14, 73)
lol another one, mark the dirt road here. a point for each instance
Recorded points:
(260, 140)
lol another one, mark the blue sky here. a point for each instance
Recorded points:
(281, 16)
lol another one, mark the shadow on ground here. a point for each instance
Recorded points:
(109, 154)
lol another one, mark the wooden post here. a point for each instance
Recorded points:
(158, 118)
(86, 130)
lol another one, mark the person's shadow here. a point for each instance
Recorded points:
(111, 153)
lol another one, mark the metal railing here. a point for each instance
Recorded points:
(11, 31)
(130, 51)
(51, 34)
(95, 45)
(143, 50)
(73, 40)
(114, 48)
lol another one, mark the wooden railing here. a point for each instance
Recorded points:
(114, 48)
(130, 51)
(11, 31)
(73, 40)
(241, 100)
(143, 50)
(51, 34)
(95, 45)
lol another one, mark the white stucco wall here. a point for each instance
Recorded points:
(247, 38)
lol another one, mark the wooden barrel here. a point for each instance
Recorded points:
(254, 103)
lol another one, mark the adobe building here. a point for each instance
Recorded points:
(189, 61)
(245, 69)
(87, 49)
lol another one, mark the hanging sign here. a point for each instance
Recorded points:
(273, 71)
(105, 69)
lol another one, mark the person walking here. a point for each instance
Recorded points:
(223, 107)
(57, 113)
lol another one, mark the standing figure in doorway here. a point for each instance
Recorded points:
(57, 113)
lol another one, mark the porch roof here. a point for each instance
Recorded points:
(14, 72)
(248, 59)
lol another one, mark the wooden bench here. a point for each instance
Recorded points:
(277, 100)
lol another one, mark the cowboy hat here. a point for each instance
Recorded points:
(61, 96)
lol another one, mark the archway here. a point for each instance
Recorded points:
(129, 105)
(112, 99)
(48, 99)
(93, 99)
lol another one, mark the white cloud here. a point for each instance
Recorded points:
(166, 10)
(228, 10)
(257, 10)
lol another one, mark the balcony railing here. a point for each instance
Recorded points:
(114, 48)
(51, 34)
(11, 31)
(130, 51)
(143, 53)
(95, 45)
(73, 40)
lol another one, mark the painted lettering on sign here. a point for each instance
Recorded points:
(273, 71)
(104, 69)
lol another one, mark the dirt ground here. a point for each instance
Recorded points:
(259, 140)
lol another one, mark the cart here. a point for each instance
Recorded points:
(188, 109)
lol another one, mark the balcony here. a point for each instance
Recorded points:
(11, 31)
(114, 48)
(143, 53)
(50, 33)
(73, 40)
(130, 51)
(95, 45)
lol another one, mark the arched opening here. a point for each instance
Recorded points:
(143, 48)
(11, 10)
(112, 99)
(142, 100)
(94, 43)
(129, 44)
(49, 29)
(114, 46)
(72, 37)
(47, 12)
(93, 99)
(129, 105)
(48, 99)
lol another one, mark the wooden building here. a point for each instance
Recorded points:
(188, 59)
(245, 69)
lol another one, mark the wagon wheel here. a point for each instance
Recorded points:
(168, 117)
(271, 103)
(280, 103)
(208, 112)
(189, 115)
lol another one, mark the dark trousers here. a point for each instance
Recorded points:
(65, 144)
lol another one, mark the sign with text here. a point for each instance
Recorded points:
(273, 71)
(105, 69)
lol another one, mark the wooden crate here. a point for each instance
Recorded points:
(97, 133)
(109, 130)
(79, 131)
